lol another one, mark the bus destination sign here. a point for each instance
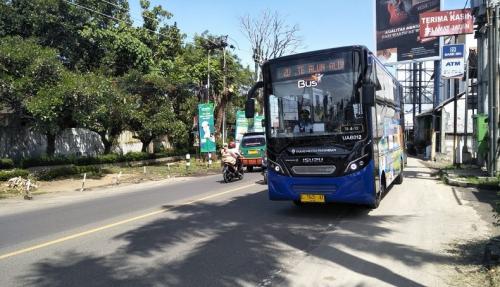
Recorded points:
(331, 65)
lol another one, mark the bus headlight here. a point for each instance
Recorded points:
(356, 164)
(276, 167)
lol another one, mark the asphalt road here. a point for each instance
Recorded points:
(202, 232)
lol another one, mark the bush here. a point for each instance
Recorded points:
(44, 161)
(6, 163)
(134, 156)
(110, 158)
(101, 159)
(8, 174)
(57, 172)
(67, 171)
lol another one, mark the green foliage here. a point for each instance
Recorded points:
(8, 174)
(101, 159)
(124, 49)
(57, 24)
(6, 163)
(153, 114)
(44, 161)
(64, 66)
(67, 171)
(25, 68)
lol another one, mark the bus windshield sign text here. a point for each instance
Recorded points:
(332, 65)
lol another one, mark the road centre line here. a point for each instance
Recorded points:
(111, 225)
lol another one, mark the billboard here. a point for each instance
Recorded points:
(244, 125)
(206, 127)
(453, 61)
(397, 30)
(443, 23)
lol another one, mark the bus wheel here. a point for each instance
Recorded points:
(378, 196)
(298, 203)
(250, 168)
(399, 179)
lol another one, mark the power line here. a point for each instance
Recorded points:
(128, 10)
(110, 17)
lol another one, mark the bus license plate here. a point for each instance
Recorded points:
(312, 198)
(253, 152)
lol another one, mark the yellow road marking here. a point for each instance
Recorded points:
(94, 230)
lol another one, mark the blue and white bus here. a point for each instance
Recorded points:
(334, 126)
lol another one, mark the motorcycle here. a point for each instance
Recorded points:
(230, 172)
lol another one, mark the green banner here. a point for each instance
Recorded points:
(206, 127)
(241, 125)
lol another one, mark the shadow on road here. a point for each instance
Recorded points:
(233, 243)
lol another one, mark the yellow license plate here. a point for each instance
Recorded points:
(253, 152)
(312, 198)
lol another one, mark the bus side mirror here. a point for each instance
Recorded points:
(250, 108)
(368, 92)
(250, 103)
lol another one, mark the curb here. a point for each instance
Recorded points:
(453, 182)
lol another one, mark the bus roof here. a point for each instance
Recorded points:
(316, 52)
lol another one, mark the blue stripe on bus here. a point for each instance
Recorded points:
(358, 187)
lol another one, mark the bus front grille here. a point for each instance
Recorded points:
(313, 169)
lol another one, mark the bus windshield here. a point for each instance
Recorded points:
(323, 102)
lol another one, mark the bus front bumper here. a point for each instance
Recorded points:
(357, 187)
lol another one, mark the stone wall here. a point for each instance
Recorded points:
(19, 142)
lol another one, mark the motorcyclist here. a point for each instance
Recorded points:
(231, 155)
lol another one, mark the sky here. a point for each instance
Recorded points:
(323, 23)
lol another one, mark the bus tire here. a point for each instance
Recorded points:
(378, 196)
(250, 168)
(399, 179)
(298, 203)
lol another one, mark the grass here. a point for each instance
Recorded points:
(482, 181)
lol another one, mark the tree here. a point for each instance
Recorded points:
(100, 107)
(270, 37)
(27, 72)
(124, 49)
(52, 109)
(153, 113)
(58, 24)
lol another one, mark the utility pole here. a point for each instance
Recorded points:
(414, 95)
(220, 43)
(493, 94)
(420, 87)
(465, 150)
(435, 103)
(208, 75)
(224, 88)
(455, 111)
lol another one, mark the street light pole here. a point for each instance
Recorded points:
(224, 90)
(208, 75)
